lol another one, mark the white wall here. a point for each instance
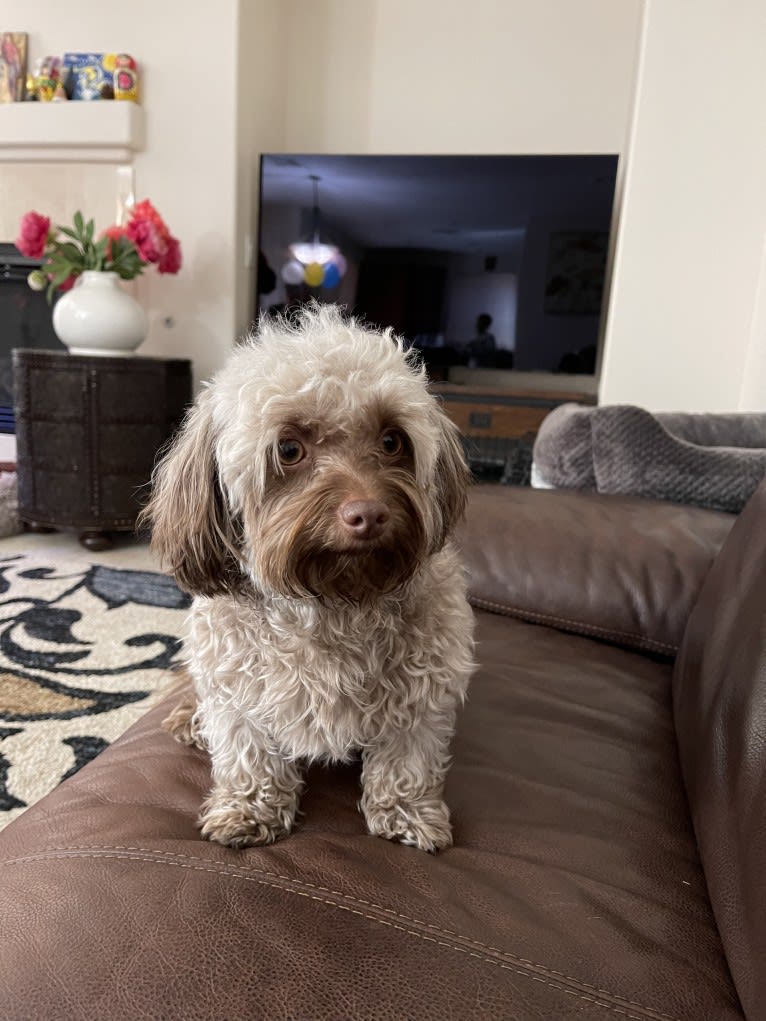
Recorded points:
(187, 59)
(752, 396)
(262, 44)
(443, 76)
(686, 330)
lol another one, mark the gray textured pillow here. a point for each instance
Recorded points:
(713, 461)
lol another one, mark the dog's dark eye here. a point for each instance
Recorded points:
(290, 451)
(392, 443)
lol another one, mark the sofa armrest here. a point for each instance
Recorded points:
(622, 569)
(719, 701)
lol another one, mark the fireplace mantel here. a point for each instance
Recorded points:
(73, 132)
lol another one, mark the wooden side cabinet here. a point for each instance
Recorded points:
(88, 430)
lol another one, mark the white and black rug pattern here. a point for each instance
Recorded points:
(85, 650)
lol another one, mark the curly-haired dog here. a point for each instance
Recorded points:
(307, 504)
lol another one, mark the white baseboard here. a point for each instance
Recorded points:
(7, 447)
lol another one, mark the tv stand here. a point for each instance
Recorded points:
(498, 425)
(486, 411)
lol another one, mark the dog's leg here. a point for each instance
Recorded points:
(403, 779)
(255, 791)
(181, 722)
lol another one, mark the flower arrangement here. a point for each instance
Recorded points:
(69, 251)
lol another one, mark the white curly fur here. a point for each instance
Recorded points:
(304, 641)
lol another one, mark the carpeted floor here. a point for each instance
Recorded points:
(85, 650)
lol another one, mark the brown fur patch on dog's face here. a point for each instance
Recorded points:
(298, 544)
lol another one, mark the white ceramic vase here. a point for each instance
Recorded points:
(98, 318)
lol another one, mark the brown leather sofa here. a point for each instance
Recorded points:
(608, 797)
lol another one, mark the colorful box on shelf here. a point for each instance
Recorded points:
(91, 76)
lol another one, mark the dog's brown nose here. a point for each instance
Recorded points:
(364, 519)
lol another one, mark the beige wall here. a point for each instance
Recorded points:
(262, 48)
(56, 191)
(443, 76)
(187, 57)
(687, 323)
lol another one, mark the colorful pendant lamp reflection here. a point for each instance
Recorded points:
(312, 262)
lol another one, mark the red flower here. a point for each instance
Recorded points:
(147, 238)
(171, 260)
(114, 234)
(33, 235)
(154, 242)
(69, 251)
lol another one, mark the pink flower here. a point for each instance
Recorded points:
(147, 238)
(145, 211)
(114, 234)
(33, 235)
(122, 249)
(171, 260)
(154, 242)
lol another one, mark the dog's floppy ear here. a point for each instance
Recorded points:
(193, 531)
(451, 479)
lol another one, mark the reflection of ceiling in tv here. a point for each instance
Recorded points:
(458, 203)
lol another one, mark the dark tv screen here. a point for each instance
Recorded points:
(481, 262)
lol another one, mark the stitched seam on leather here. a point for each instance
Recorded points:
(577, 625)
(288, 885)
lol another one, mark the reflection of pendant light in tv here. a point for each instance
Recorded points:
(312, 262)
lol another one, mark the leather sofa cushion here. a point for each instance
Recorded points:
(573, 888)
(622, 569)
(720, 708)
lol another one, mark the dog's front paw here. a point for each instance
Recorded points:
(182, 725)
(423, 823)
(237, 823)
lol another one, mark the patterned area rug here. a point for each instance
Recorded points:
(84, 652)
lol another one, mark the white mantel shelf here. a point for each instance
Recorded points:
(104, 131)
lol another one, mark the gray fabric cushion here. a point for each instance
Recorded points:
(714, 461)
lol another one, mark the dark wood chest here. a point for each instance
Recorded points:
(88, 430)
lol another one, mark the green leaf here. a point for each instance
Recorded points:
(57, 278)
(70, 252)
(125, 259)
(79, 224)
(129, 272)
(60, 276)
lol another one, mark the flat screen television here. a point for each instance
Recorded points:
(481, 262)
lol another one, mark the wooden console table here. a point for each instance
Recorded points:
(506, 413)
(88, 430)
(498, 425)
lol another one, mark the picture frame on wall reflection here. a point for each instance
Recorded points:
(574, 283)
